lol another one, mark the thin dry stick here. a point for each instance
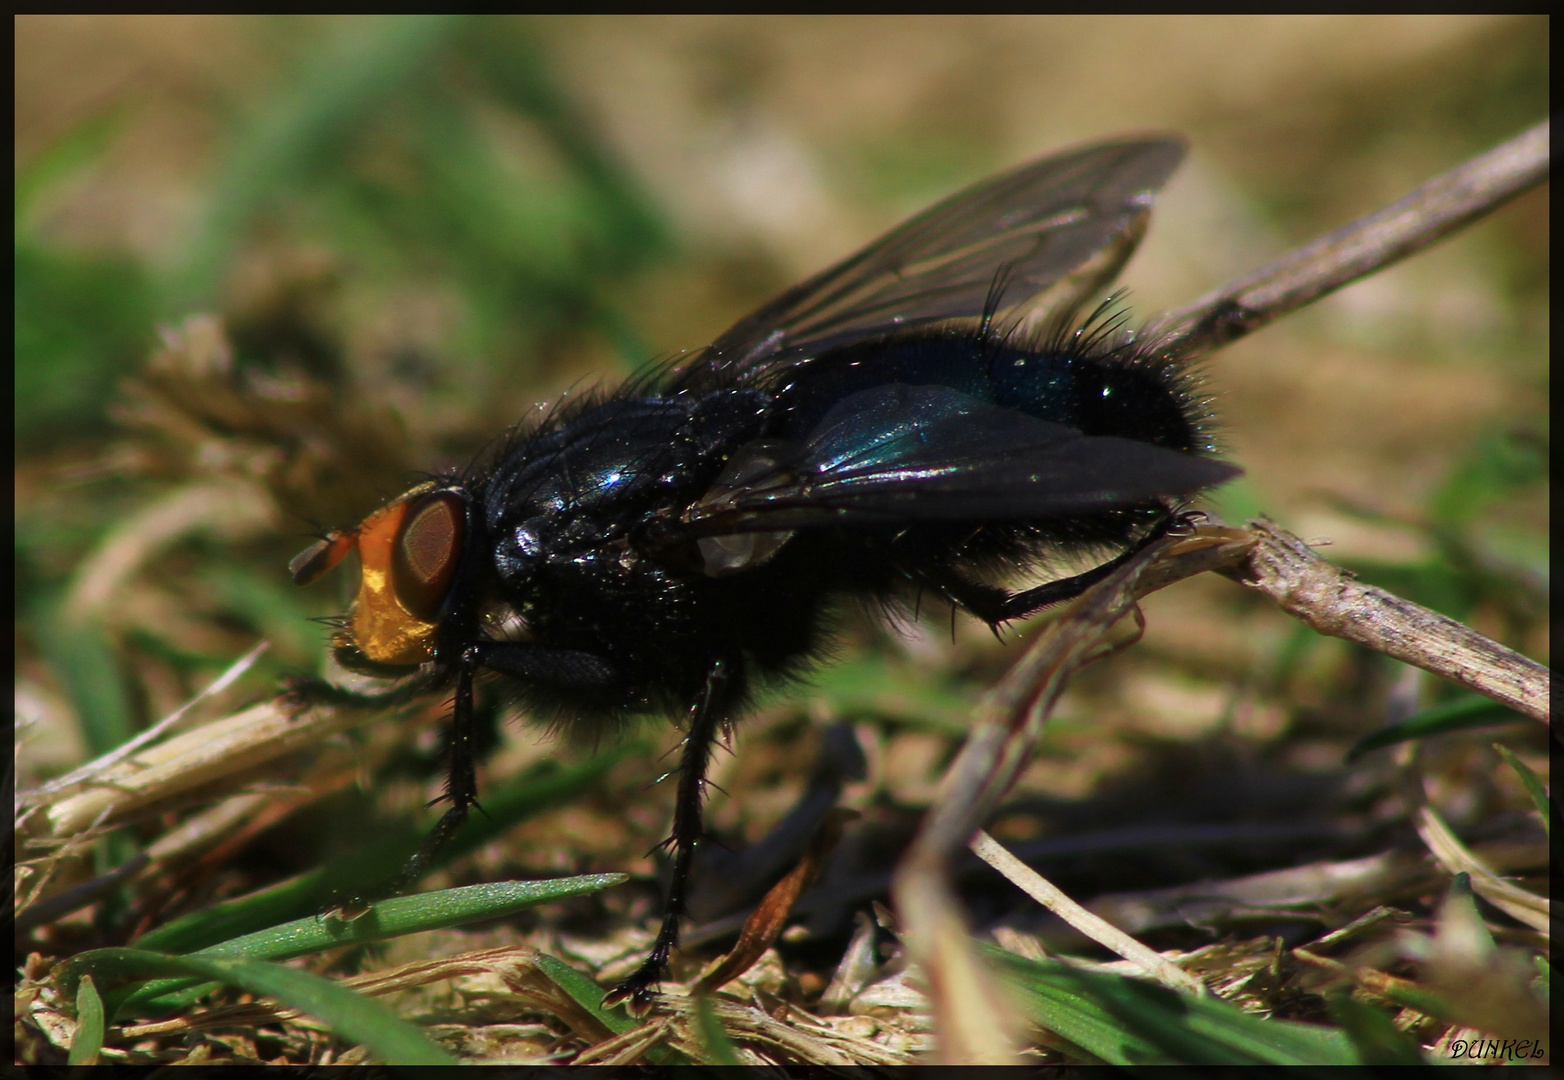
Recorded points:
(1330, 601)
(206, 754)
(1353, 251)
(100, 764)
(1302, 891)
(1093, 926)
(627, 1047)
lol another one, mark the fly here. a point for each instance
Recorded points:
(917, 418)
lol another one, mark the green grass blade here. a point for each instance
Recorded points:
(586, 993)
(1051, 1004)
(387, 919)
(409, 915)
(87, 1043)
(1539, 794)
(536, 790)
(1373, 1035)
(1468, 711)
(1124, 1021)
(353, 1017)
(83, 659)
(589, 996)
(877, 686)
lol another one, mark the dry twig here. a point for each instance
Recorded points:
(1359, 249)
(1328, 600)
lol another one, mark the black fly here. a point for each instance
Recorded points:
(928, 414)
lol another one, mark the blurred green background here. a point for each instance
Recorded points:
(437, 223)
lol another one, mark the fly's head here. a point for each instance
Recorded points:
(410, 553)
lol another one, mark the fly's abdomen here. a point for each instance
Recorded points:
(1087, 382)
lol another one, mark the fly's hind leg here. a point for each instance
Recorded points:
(994, 605)
(640, 989)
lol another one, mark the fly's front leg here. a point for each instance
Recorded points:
(640, 989)
(461, 778)
(558, 667)
(461, 790)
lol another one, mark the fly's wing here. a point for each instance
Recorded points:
(1063, 226)
(900, 453)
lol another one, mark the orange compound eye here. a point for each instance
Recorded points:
(427, 549)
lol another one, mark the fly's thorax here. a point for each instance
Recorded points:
(606, 460)
(586, 490)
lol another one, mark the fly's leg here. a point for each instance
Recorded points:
(640, 989)
(560, 667)
(461, 780)
(987, 602)
(461, 791)
(994, 605)
(1021, 604)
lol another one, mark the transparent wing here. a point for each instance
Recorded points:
(1062, 226)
